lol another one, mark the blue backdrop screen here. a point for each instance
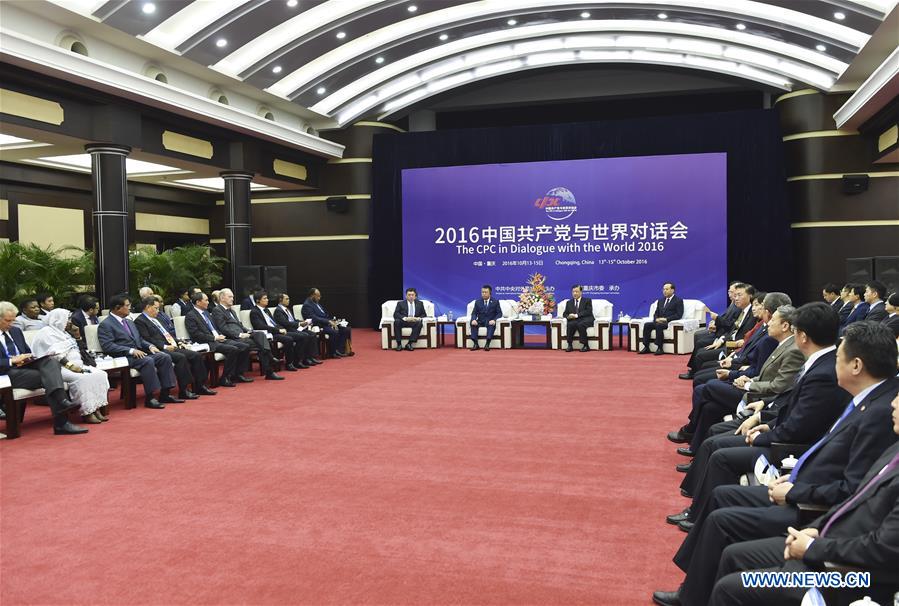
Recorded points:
(621, 227)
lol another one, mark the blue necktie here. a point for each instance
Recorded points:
(817, 444)
(11, 349)
(208, 322)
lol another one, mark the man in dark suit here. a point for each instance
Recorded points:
(858, 533)
(815, 402)
(261, 319)
(875, 293)
(251, 300)
(119, 336)
(726, 330)
(338, 335)
(892, 320)
(847, 304)
(830, 292)
(189, 366)
(578, 314)
(184, 299)
(24, 372)
(228, 323)
(669, 307)
(306, 341)
(46, 302)
(408, 314)
(859, 306)
(202, 329)
(829, 471)
(88, 309)
(486, 312)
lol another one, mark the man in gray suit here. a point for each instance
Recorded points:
(120, 337)
(227, 321)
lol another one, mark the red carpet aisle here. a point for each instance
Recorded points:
(434, 477)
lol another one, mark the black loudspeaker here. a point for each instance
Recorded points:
(249, 277)
(274, 278)
(337, 204)
(886, 270)
(860, 270)
(855, 184)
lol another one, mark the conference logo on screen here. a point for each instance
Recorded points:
(558, 203)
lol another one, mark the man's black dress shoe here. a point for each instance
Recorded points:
(224, 383)
(312, 362)
(300, 366)
(242, 379)
(677, 518)
(475, 348)
(2, 414)
(171, 400)
(291, 368)
(273, 377)
(686, 525)
(685, 451)
(154, 403)
(659, 353)
(666, 598)
(486, 348)
(683, 467)
(188, 395)
(684, 493)
(205, 391)
(409, 347)
(338, 354)
(686, 376)
(69, 429)
(644, 351)
(68, 406)
(584, 348)
(680, 436)
(398, 347)
(569, 348)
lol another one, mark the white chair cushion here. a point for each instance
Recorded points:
(181, 328)
(91, 338)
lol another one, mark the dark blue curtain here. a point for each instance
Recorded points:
(758, 216)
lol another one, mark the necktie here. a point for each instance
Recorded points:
(289, 315)
(165, 333)
(411, 313)
(849, 408)
(321, 309)
(93, 319)
(668, 300)
(127, 328)
(11, 349)
(268, 318)
(872, 482)
(209, 324)
(577, 304)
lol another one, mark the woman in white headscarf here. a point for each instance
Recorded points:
(88, 386)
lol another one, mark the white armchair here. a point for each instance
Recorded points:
(426, 339)
(503, 334)
(678, 336)
(598, 336)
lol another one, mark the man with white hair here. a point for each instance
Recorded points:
(228, 322)
(25, 372)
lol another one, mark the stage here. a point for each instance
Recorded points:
(429, 477)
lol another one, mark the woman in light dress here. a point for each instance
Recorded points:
(88, 386)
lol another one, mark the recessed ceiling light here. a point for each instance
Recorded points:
(82, 163)
(585, 15)
(820, 48)
(444, 36)
(662, 16)
(210, 183)
(9, 140)
(148, 8)
(411, 8)
(321, 90)
(839, 16)
(511, 22)
(292, 3)
(221, 43)
(277, 69)
(741, 27)
(341, 35)
(379, 60)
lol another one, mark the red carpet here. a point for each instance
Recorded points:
(433, 477)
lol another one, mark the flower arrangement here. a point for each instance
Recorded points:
(534, 298)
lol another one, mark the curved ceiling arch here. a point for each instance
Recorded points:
(443, 85)
(756, 49)
(311, 72)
